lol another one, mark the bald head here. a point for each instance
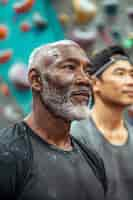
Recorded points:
(62, 68)
(46, 55)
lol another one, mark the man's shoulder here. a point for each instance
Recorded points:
(8, 131)
(82, 129)
(13, 143)
(15, 159)
(94, 161)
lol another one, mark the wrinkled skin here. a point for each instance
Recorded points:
(65, 87)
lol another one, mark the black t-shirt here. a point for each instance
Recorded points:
(32, 169)
(118, 160)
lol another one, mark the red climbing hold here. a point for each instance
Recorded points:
(5, 56)
(24, 6)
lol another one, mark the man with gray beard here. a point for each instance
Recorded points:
(39, 159)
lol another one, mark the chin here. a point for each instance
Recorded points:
(68, 111)
(125, 103)
(128, 104)
(78, 112)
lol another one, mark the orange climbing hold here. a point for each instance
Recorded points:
(23, 6)
(64, 18)
(4, 89)
(85, 11)
(3, 32)
(5, 56)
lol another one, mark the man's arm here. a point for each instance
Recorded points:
(7, 174)
(15, 159)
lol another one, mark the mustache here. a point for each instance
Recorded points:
(82, 90)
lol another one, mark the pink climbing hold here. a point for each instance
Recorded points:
(4, 2)
(25, 26)
(18, 74)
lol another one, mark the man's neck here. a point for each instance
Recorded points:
(109, 120)
(52, 129)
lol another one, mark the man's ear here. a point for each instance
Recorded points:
(35, 80)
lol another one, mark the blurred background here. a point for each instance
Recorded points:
(26, 24)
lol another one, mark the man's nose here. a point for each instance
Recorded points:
(129, 80)
(82, 77)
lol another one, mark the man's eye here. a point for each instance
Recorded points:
(87, 71)
(69, 66)
(120, 73)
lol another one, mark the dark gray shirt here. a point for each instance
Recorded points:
(32, 169)
(118, 160)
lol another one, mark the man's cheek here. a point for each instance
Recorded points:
(65, 81)
(60, 80)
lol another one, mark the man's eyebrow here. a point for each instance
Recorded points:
(75, 61)
(122, 69)
(119, 69)
(72, 60)
(89, 64)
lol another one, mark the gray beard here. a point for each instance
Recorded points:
(60, 104)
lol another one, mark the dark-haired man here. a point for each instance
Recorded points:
(39, 160)
(106, 130)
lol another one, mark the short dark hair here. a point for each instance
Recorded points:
(104, 56)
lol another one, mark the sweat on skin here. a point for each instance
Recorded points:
(55, 64)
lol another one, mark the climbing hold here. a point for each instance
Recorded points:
(18, 75)
(128, 43)
(4, 89)
(85, 10)
(24, 6)
(130, 35)
(12, 113)
(101, 26)
(130, 13)
(85, 39)
(63, 18)
(111, 7)
(25, 26)
(116, 35)
(104, 33)
(39, 21)
(4, 2)
(3, 31)
(5, 55)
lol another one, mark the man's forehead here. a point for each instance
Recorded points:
(55, 53)
(64, 50)
(124, 65)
